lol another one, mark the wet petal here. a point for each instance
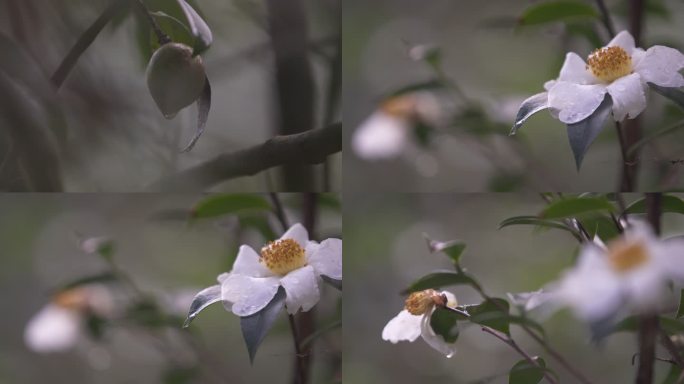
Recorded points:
(623, 40)
(574, 70)
(53, 329)
(248, 295)
(326, 258)
(434, 340)
(402, 327)
(301, 286)
(297, 233)
(247, 263)
(575, 102)
(661, 65)
(381, 136)
(629, 98)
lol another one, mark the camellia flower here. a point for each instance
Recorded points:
(387, 132)
(293, 262)
(631, 272)
(414, 320)
(620, 70)
(60, 324)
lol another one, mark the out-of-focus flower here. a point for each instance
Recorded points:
(414, 320)
(632, 272)
(387, 132)
(60, 324)
(293, 262)
(621, 70)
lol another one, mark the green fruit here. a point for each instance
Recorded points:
(175, 78)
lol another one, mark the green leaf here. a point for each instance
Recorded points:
(601, 226)
(255, 327)
(219, 205)
(203, 299)
(532, 220)
(554, 11)
(437, 280)
(524, 372)
(680, 310)
(668, 203)
(452, 248)
(673, 94)
(105, 277)
(259, 223)
(445, 323)
(572, 207)
(430, 85)
(203, 107)
(673, 375)
(492, 313)
(96, 326)
(180, 375)
(173, 27)
(583, 133)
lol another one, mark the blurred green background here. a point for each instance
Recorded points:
(164, 255)
(112, 136)
(499, 66)
(385, 252)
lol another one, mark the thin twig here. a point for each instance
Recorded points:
(298, 352)
(605, 17)
(279, 211)
(162, 38)
(626, 182)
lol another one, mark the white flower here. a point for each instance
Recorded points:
(293, 262)
(414, 320)
(620, 70)
(631, 272)
(60, 324)
(387, 132)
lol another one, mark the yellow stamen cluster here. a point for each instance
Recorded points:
(76, 299)
(419, 303)
(626, 255)
(609, 63)
(403, 106)
(283, 256)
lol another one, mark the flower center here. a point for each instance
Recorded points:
(418, 303)
(400, 106)
(283, 256)
(72, 299)
(609, 63)
(625, 256)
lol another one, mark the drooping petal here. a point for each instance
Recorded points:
(247, 263)
(326, 257)
(574, 70)
(434, 340)
(629, 98)
(297, 233)
(381, 136)
(301, 286)
(202, 300)
(669, 253)
(575, 102)
(402, 327)
(53, 329)
(451, 299)
(248, 295)
(623, 40)
(661, 65)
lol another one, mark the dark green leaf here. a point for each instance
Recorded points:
(198, 27)
(529, 107)
(329, 200)
(180, 375)
(583, 133)
(203, 107)
(572, 207)
(203, 299)
(668, 203)
(505, 181)
(445, 323)
(437, 280)
(673, 375)
(255, 327)
(492, 313)
(431, 85)
(452, 248)
(601, 226)
(532, 220)
(553, 11)
(680, 310)
(423, 133)
(105, 277)
(524, 372)
(173, 27)
(259, 223)
(96, 326)
(334, 282)
(673, 94)
(219, 205)
(148, 314)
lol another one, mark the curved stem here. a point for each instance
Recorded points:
(162, 37)
(605, 17)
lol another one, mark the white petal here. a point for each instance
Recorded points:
(451, 299)
(645, 287)
(247, 263)
(297, 233)
(661, 65)
(402, 327)
(301, 286)
(637, 55)
(435, 341)
(629, 98)
(549, 84)
(53, 329)
(623, 40)
(381, 136)
(326, 257)
(670, 254)
(575, 102)
(574, 70)
(248, 295)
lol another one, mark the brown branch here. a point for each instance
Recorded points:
(311, 147)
